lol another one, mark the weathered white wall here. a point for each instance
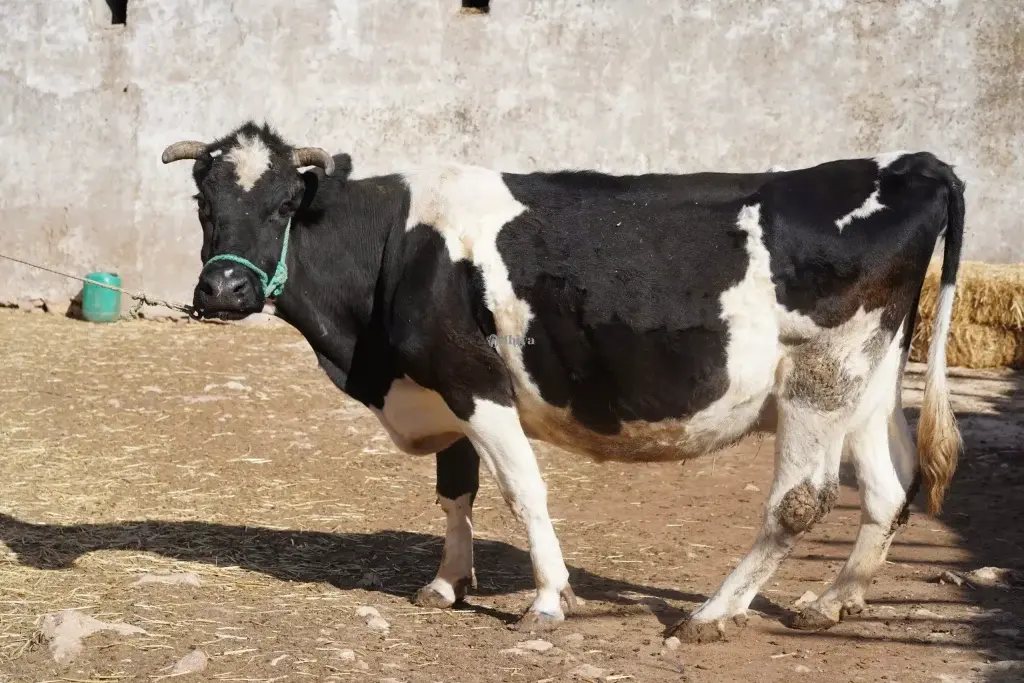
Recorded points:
(620, 85)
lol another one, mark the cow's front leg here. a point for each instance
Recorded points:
(458, 479)
(498, 437)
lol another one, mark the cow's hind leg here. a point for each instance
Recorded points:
(886, 463)
(499, 439)
(458, 479)
(808, 447)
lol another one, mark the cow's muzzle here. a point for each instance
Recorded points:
(227, 291)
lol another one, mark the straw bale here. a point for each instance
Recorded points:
(973, 346)
(986, 294)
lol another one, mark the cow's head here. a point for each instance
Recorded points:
(249, 190)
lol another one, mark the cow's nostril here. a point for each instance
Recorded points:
(239, 287)
(205, 287)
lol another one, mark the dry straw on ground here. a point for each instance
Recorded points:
(987, 330)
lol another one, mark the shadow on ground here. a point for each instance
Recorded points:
(394, 562)
(985, 507)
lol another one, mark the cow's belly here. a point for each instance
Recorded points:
(665, 440)
(418, 420)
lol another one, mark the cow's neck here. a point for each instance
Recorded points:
(333, 293)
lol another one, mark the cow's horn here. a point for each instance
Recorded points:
(313, 156)
(186, 149)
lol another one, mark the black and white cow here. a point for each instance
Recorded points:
(631, 318)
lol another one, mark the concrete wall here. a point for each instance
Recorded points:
(620, 85)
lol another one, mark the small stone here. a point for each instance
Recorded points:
(805, 599)
(950, 577)
(751, 487)
(193, 662)
(994, 577)
(177, 579)
(346, 655)
(672, 643)
(370, 580)
(65, 630)
(535, 645)
(922, 613)
(235, 386)
(371, 617)
(1005, 666)
(588, 672)
(362, 666)
(377, 624)
(801, 669)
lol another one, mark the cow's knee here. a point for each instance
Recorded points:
(805, 505)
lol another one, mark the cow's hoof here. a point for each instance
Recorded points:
(571, 605)
(538, 622)
(430, 598)
(811, 618)
(435, 597)
(695, 632)
(852, 608)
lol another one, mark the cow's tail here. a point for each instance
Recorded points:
(938, 436)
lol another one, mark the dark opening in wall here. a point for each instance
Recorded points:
(477, 6)
(118, 11)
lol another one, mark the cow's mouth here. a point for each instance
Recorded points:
(224, 315)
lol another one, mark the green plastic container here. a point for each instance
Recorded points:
(99, 304)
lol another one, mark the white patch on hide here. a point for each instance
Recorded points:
(871, 205)
(468, 206)
(418, 420)
(883, 160)
(251, 159)
(753, 349)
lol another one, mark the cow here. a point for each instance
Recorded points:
(633, 318)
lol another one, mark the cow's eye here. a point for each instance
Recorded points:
(286, 208)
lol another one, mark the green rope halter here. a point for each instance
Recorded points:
(275, 285)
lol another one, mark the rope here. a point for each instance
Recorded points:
(271, 286)
(141, 298)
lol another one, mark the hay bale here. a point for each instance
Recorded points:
(973, 346)
(987, 328)
(986, 294)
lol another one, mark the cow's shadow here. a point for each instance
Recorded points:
(394, 562)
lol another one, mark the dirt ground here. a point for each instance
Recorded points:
(136, 449)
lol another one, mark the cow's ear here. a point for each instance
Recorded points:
(342, 166)
(311, 180)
